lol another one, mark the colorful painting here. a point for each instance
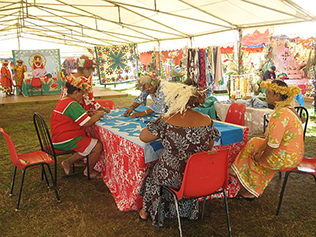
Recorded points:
(116, 64)
(41, 62)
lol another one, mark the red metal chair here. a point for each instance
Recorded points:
(236, 114)
(206, 173)
(25, 161)
(106, 103)
(307, 166)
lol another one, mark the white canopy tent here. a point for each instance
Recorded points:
(80, 24)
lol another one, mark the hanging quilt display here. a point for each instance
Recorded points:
(43, 67)
(116, 64)
(40, 62)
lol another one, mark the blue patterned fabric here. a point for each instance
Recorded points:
(129, 128)
(158, 106)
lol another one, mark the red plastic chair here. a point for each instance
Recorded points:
(106, 103)
(236, 114)
(25, 161)
(206, 173)
(307, 166)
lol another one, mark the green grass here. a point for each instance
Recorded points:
(88, 209)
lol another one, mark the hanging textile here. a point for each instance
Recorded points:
(190, 67)
(218, 67)
(41, 62)
(202, 81)
(116, 64)
(196, 67)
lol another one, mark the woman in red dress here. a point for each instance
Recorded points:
(6, 80)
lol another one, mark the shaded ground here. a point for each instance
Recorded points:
(88, 209)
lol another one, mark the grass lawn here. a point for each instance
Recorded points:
(88, 209)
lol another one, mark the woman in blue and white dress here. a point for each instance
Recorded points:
(149, 85)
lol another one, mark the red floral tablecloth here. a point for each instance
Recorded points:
(123, 167)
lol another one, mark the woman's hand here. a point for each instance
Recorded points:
(105, 109)
(138, 114)
(91, 112)
(256, 157)
(128, 111)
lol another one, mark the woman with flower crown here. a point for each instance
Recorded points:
(183, 132)
(68, 123)
(85, 68)
(282, 148)
(149, 85)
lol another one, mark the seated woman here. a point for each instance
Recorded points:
(85, 68)
(149, 85)
(283, 147)
(68, 123)
(183, 132)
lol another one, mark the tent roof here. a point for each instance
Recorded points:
(103, 22)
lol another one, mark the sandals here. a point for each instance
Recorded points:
(241, 197)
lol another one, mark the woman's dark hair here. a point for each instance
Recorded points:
(280, 83)
(71, 89)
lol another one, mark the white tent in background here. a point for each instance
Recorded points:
(82, 24)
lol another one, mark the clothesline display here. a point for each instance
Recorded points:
(204, 66)
(240, 85)
(116, 64)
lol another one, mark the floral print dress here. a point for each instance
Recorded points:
(179, 144)
(285, 134)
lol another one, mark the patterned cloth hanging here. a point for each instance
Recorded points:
(116, 64)
(202, 81)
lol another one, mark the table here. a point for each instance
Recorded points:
(253, 116)
(49, 86)
(122, 164)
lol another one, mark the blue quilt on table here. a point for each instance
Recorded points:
(129, 128)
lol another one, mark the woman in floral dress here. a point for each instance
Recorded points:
(283, 147)
(183, 132)
(149, 85)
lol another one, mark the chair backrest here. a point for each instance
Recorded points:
(43, 134)
(205, 173)
(303, 113)
(13, 154)
(106, 103)
(236, 114)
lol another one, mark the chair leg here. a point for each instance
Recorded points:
(44, 172)
(21, 187)
(55, 188)
(203, 208)
(13, 181)
(280, 174)
(178, 214)
(282, 191)
(88, 168)
(55, 172)
(227, 214)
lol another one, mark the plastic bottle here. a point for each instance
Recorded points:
(238, 96)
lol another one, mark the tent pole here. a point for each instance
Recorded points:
(18, 36)
(239, 51)
(159, 58)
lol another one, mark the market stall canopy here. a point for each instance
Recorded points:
(102, 22)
